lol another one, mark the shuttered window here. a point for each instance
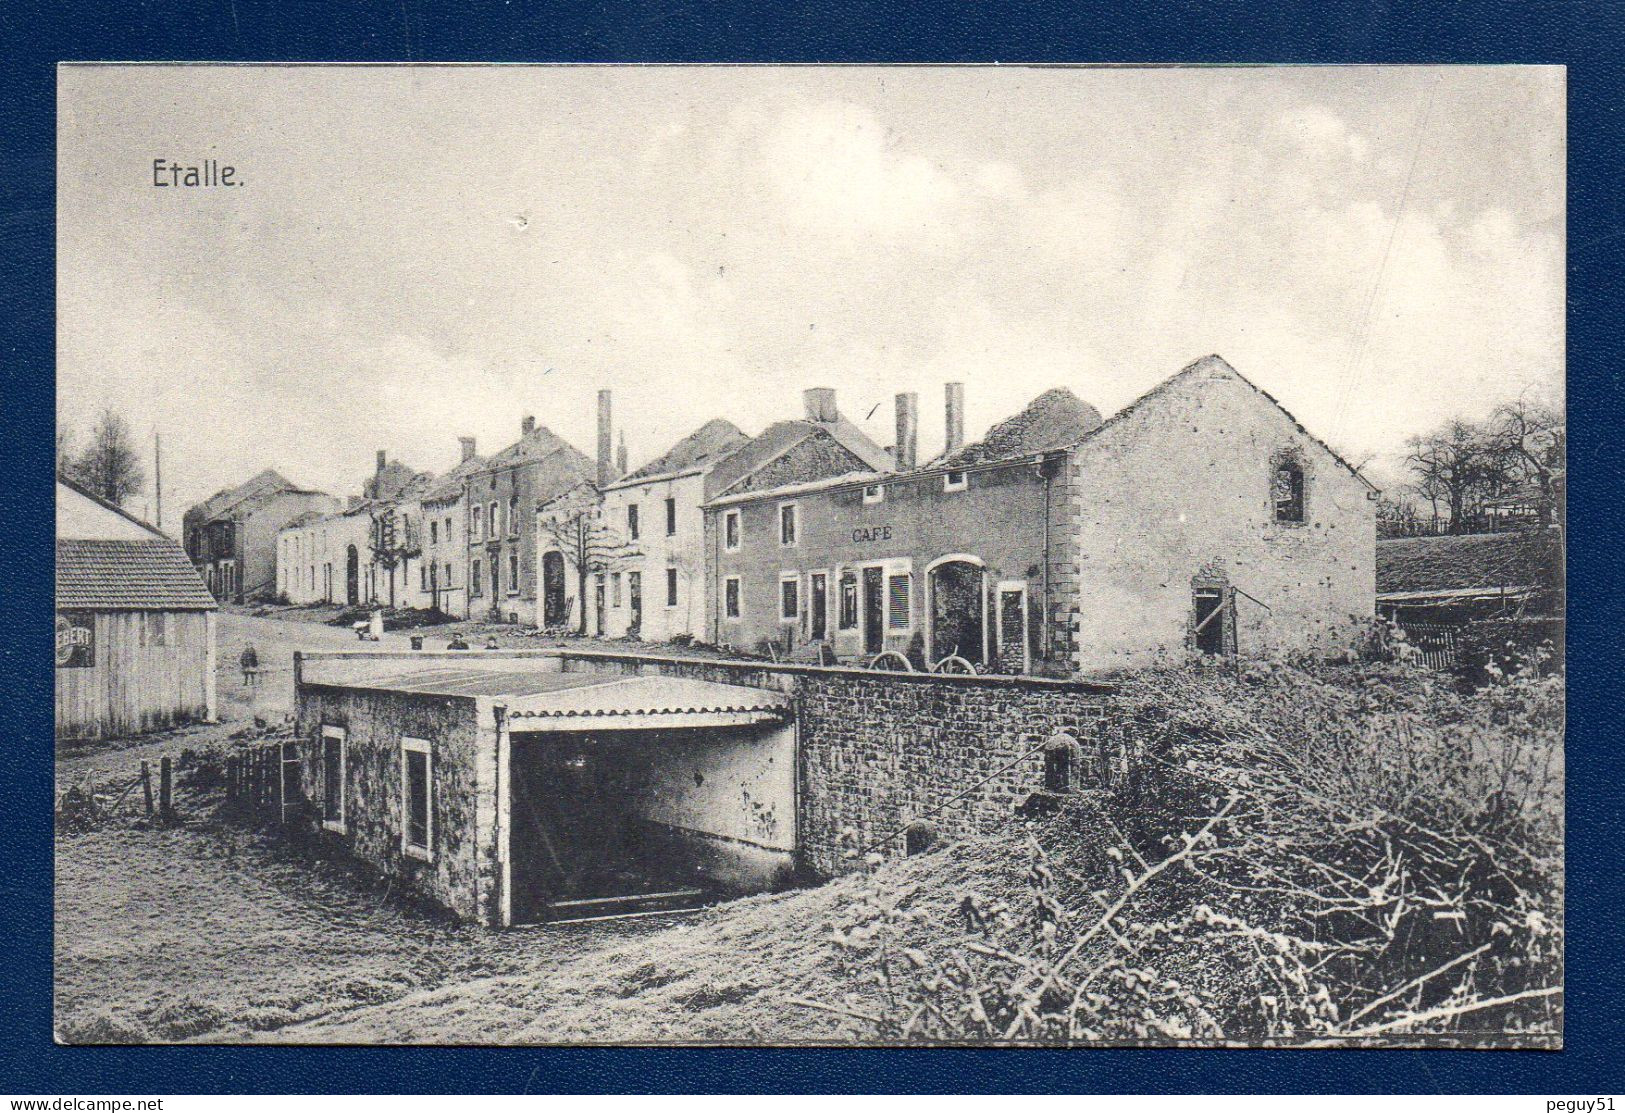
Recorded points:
(899, 598)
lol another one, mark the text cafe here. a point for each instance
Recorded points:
(947, 567)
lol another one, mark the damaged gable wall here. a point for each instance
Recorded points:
(1180, 491)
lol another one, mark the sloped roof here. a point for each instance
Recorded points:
(538, 443)
(127, 525)
(639, 701)
(781, 436)
(226, 499)
(705, 446)
(1520, 559)
(1055, 419)
(127, 575)
(450, 485)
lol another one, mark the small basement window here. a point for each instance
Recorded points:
(417, 787)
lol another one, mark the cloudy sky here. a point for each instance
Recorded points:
(418, 253)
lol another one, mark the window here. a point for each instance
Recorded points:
(730, 596)
(847, 618)
(333, 778)
(513, 515)
(789, 596)
(491, 517)
(434, 533)
(671, 517)
(954, 480)
(448, 531)
(1208, 628)
(448, 574)
(474, 585)
(1287, 489)
(513, 571)
(417, 790)
(730, 531)
(787, 523)
(899, 595)
(476, 525)
(423, 577)
(875, 492)
(671, 587)
(632, 521)
(615, 589)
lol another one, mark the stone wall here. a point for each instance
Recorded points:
(877, 750)
(462, 875)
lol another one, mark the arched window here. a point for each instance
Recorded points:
(1060, 754)
(1288, 490)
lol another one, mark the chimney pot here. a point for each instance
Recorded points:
(955, 397)
(527, 425)
(908, 431)
(606, 463)
(820, 404)
(467, 445)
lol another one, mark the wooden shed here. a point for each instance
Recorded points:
(135, 627)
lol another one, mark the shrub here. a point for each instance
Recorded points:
(1321, 856)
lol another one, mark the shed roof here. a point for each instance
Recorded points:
(145, 575)
(636, 702)
(1474, 560)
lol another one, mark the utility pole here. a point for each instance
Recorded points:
(158, 477)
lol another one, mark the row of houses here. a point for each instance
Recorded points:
(1201, 518)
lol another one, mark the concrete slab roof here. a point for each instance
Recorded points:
(509, 679)
(637, 702)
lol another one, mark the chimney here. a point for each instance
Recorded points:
(820, 404)
(467, 445)
(381, 460)
(527, 425)
(620, 457)
(908, 431)
(955, 393)
(605, 441)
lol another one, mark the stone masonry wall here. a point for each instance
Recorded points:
(878, 750)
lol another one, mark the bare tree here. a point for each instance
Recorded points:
(1533, 438)
(575, 526)
(1463, 465)
(109, 466)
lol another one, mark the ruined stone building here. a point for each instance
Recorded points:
(231, 537)
(1201, 519)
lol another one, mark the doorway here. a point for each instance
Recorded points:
(634, 600)
(874, 609)
(554, 610)
(819, 602)
(958, 606)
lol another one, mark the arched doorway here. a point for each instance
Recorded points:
(352, 576)
(958, 609)
(554, 611)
